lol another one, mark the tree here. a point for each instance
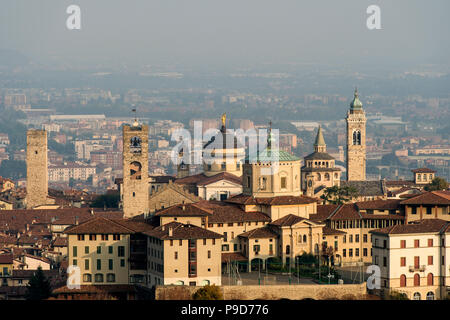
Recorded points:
(436, 184)
(394, 295)
(208, 292)
(106, 200)
(39, 286)
(339, 195)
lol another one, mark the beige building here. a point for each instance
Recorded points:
(356, 141)
(423, 175)
(184, 254)
(414, 259)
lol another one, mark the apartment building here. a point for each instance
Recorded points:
(183, 254)
(428, 205)
(414, 259)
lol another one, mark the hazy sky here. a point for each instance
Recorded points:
(215, 32)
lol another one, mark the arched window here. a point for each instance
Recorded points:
(135, 145)
(87, 277)
(263, 183)
(327, 176)
(416, 296)
(357, 137)
(135, 170)
(416, 280)
(304, 238)
(111, 277)
(288, 249)
(430, 279)
(402, 280)
(99, 277)
(430, 296)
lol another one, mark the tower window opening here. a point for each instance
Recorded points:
(357, 137)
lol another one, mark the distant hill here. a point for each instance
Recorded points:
(12, 58)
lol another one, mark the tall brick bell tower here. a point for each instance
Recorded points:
(135, 170)
(356, 141)
(37, 171)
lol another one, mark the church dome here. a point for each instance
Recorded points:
(356, 103)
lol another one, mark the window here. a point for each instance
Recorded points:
(357, 252)
(416, 262)
(87, 277)
(171, 243)
(110, 249)
(176, 255)
(122, 262)
(365, 252)
(288, 249)
(430, 279)
(225, 237)
(209, 254)
(430, 260)
(86, 250)
(116, 236)
(416, 280)
(204, 242)
(357, 238)
(74, 262)
(350, 238)
(99, 264)
(121, 251)
(256, 248)
(111, 277)
(99, 249)
(413, 210)
(104, 237)
(430, 296)
(92, 237)
(384, 262)
(428, 210)
(365, 238)
(283, 183)
(98, 277)
(402, 243)
(263, 183)
(416, 296)
(403, 262)
(86, 264)
(416, 243)
(304, 238)
(74, 251)
(344, 253)
(430, 242)
(402, 280)
(110, 264)
(350, 253)
(80, 237)
(225, 247)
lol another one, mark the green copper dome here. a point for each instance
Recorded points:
(356, 103)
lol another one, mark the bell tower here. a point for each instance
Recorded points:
(135, 170)
(356, 141)
(37, 171)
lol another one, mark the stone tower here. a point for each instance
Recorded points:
(135, 170)
(37, 171)
(356, 141)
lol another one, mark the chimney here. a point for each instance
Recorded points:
(92, 212)
(170, 231)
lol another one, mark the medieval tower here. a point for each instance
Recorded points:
(135, 170)
(37, 171)
(356, 141)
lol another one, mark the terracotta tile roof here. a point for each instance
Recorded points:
(182, 231)
(346, 211)
(233, 256)
(220, 176)
(287, 220)
(6, 258)
(323, 212)
(27, 274)
(423, 170)
(422, 226)
(389, 204)
(329, 231)
(259, 233)
(400, 183)
(194, 179)
(319, 156)
(185, 210)
(279, 200)
(108, 226)
(433, 198)
(60, 242)
(225, 212)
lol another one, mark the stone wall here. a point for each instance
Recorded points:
(37, 171)
(272, 292)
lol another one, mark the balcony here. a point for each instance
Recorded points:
(417, 268)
